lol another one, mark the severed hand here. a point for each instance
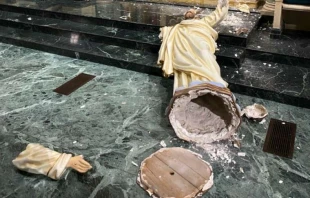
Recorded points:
(223, 3)
(79, 164)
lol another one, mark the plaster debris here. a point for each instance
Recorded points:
(131, 149)
(83, 106)
(105, 94)
(283, 122)
(298, 148)
(269, 65)
(241, 170)
(123, 103)
(265, 63)
(242, 154)
(280, 182)
(236, 55)
(227, 177)
(29, 18)
(74, 142)
(134, 163)
(263, 121)
(258, 47)
(218, 152)
(163, 144)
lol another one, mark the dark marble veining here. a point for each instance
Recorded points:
(143, 13)
(290, 47)
(99, 47)
(274, 81)
(255, 78)
(145, 40)
(117, 120)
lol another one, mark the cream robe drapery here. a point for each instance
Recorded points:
(188, 48)
(40, 160)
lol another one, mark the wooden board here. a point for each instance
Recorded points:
(74, 84)
(280, 138)
(175, 172)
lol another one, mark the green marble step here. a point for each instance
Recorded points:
(254, 78)
(142, 40)
(141, 16)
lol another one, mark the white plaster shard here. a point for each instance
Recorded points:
(263, 121)
(135, 164)
(241, 154)
(280, 182)
(163, 144)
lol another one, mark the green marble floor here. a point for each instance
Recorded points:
(117, 120)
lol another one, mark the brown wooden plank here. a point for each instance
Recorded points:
(74, 84)
(153, 182)
(177, 185)
(182, 169)
(280, 138)
(192, 161)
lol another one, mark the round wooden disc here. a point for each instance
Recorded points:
(175, 172)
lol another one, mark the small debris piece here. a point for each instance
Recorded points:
(227, 177)
(255, 111)
(135, 164)
(123, 103)
(74, 142)
(241, 170)
(236, 143)
(258, 47)
(280, 182)
(163, 144)
(242, 154)
(242, 31)
(263, 121)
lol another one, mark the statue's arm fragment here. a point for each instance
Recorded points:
(218, 14)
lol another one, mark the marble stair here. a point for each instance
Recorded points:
(107, 36)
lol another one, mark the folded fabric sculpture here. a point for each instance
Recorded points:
(40, 160)
(203, 109)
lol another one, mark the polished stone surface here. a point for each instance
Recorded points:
(117, 120)
(291, 48)
(152, 14)
(274, 81)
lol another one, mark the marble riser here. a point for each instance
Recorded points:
(278, 58)
(240, 80)
(226, 36)
(146, 41)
